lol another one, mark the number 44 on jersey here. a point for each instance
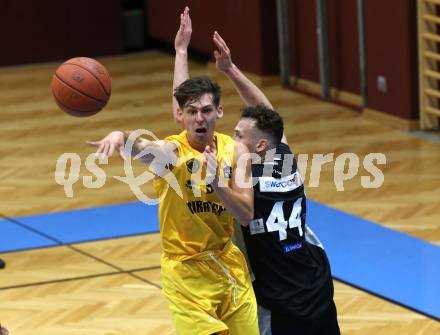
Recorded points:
(276, 220)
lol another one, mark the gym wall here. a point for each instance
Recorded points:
(41, 31)
(391, 50)
(391, 47)
(248, 26)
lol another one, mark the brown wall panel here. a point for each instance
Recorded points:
(32, 31)
(343, 45)
(342, 39)
(40, 31)
(269, 36)
(391, 47)
(95, 27)
(248, 26)
(303, 40)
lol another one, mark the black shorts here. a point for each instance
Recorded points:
(281, 324)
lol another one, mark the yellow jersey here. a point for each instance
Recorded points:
(194, 220)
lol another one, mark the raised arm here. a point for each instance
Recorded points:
(181, 42)
(248, 91)
(238, 198)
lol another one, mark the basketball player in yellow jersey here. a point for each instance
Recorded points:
(205, 277)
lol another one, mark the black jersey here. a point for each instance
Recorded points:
(292, 272)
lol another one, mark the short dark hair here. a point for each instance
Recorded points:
(266, 120)
(193, 88)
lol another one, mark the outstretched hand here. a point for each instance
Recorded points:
(210, 154)
(223, 60)
(114, 141)
(183, 36)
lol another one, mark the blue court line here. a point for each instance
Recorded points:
(385, 262)
(379, 260)
(80, 225)
(14, 237)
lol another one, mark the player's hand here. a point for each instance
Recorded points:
(210, 154)
(223, 60)
(115, 141)
(183, 36)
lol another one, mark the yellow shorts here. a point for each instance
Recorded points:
(210, 293)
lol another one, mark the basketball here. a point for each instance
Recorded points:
(81, 86)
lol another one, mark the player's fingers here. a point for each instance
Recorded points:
(189, 24)
(216, 41)
(219, 38)
(100, 148)
(185, 13)
(93, 143)
(122, 153)
(105, 150)
(186, 23)
(108, 149)
(216, 54)
(211, 163)
(221, 41)
(213, 148)
(209, 154)
(111, 150)
(221, 47)
(188, 16)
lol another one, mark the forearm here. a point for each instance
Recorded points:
(137, 145)
(240, 205)
(181, 73)
(248, 91)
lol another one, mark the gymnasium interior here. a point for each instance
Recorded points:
(357, 84)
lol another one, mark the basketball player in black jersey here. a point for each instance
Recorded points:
(293, 282)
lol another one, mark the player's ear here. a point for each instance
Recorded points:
(179, 115)
(219, 111)
(262, 145)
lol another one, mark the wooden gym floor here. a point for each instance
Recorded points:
(113, 286)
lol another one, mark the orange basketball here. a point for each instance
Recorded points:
(81, 86)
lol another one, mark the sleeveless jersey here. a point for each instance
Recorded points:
(194, 220)
(292, 271)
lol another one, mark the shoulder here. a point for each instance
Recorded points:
(283, 148)
(181, 137)
(225, 145)
(223, 138)
(177, 143)
(168, 145)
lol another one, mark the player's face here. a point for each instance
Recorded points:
(243, 133)
(199, 118)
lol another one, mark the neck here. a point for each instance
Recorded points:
(263, 153)
(198, 145)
